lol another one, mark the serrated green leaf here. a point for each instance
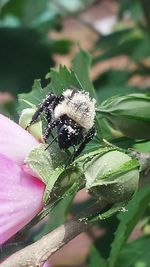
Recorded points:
(63, 79)
(128, 220)
(34, 97)
(81, 66)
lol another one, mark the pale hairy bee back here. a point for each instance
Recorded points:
(78, 106)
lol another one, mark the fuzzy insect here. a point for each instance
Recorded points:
(72, 114)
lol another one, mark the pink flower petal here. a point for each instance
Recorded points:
(46, 264)
(15, 142)
(20, 198)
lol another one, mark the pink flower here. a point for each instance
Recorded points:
(46, 264)
(20, 193)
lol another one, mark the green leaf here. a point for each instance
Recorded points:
(111, 174)
(30, 13)
(128, 220)
(135, 254)
(133, 42)
(142, 146)
(61, 46)
(129, 114)
(40, 162)
(81, 66)
(48, 166)
(134, 7)
(63, 79)
(113, 82)
(33, 98)
(51, 182)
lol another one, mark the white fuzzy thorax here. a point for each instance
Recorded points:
(79, 107)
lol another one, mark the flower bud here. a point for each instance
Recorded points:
(34, 129)
(111, 174)
(130, 114)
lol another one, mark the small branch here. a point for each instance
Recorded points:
(36, 254)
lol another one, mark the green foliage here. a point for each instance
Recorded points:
(60, 81)
(134, 7)
(128, 220)
(41, 14)
(50, 168)
(128, 41)
(113, 82)
(95, 259)
(135, 254)
(114, 172)
(63, 79)
(129, 114)
(29, 13)
(25, 50)
(33, 98)
(81, 66)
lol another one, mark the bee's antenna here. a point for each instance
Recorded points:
(51, 142)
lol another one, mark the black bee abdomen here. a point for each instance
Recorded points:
(69, 133)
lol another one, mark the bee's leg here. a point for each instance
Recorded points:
(88, 137)
(48, 130)
(48, 100)
(35, 116)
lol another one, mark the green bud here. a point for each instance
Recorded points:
(111, 174)
(130, 114)
(36, 128)
(48, 166)
(68, 182)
